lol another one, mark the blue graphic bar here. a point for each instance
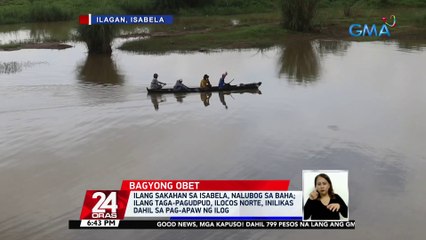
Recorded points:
(237, 218)
(130, 19)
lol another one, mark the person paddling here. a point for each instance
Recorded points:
(222, 83)
(155, 84)
(179, 86)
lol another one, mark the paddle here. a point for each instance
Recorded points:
(171, 83)
(229, 83)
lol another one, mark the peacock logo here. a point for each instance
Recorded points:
(393, 18)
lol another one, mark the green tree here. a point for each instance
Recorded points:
(175, 5)
(298, 14)
(167, 5)
(97, 37)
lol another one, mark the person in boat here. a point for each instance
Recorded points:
(205, 82)
(323, 203)
(179, 86)
(222, 83)
(155, 84)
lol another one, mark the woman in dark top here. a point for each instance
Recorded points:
(323, 203)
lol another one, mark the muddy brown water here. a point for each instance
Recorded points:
(70, 122)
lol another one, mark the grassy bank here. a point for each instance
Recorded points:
(19, 11)
(259, 36)
(264, 30)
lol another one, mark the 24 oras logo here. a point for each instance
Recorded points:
(358, 30)
(104, 204)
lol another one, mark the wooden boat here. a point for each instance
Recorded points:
(230, 88)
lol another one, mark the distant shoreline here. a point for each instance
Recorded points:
(262, 30)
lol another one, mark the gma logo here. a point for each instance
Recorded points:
(357, 30)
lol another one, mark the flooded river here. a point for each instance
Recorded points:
(70, 122)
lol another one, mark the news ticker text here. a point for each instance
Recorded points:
(166, 224)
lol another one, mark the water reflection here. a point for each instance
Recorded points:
(36, 32)
(15, 67)
(410, 46)
(158, 98)
(205, 98)
(39, 34)
(101, 81)
(99, 69)
(223, 94)
(300, 59)
(179, 97)
(56, 31)
(337, 47)
(222, 99)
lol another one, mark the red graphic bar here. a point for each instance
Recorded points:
(205, 185)
(84, 19)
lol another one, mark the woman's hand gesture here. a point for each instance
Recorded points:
(334, 207)
(313, 195)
